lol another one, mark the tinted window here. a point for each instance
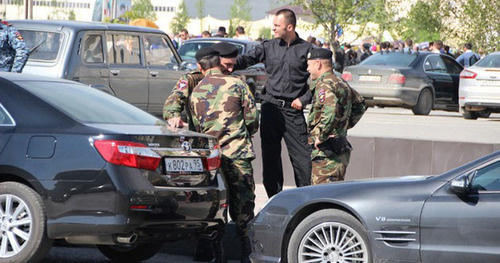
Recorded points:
(487, 178)
(491, 61)
(395, 59)
(5, 118)
(451, 65)
(123, 49)
(434, 64)
(92, 49)
(88, 105)
(188, 50)
(158, 52)
(43, 45)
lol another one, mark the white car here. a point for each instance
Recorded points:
(479, 89)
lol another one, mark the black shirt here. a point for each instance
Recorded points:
(286, 67)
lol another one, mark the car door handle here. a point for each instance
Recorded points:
(153, 73)
(115, 71)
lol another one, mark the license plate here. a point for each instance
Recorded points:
(490, 82)
(183, 165)
(369, 78)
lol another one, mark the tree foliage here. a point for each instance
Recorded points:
(140, 9)
(200, 8)
(424, 22)
(239, 14)
(181, 19)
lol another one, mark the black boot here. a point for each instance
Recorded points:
(246, 250)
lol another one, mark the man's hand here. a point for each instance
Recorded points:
(296, 104)
(316, 142)
(176, 122)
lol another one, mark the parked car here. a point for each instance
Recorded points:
(255, 76)
(479, 92)
(136, 64)
(453, 217)
(81, 165)
(420, 81)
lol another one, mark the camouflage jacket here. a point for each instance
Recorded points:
(178, 99)
(224, 107)
(336, 107)
(13, 50)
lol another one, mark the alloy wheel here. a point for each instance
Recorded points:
(15, 225)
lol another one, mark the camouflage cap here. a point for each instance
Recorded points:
(226, 50)
(205, 52)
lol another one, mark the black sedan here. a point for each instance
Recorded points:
(453, 217)
(255, 76)
(81, 165)
(421, 81)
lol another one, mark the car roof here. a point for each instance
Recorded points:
(221, 39)
(13, 77)
(79, 25)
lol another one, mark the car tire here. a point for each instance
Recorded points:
(130, 253)
(470, 115)
(424, 104)
(23, 224)
(316, 232)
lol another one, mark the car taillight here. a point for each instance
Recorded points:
(467, 74)
(213, 161)
(129, 154)
(347, 76)
(397, 78)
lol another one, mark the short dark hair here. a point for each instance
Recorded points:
(240, 30)
(468, 45)
(289, 16)
(222, 29)
(409, 42)
(438, 43)
(209, 62)
(383, 45)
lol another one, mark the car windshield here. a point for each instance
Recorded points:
(397, 59)
(491, 61)
(188, 50)
(43, 45)
(88, 105)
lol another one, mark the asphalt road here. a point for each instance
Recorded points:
(377, 122)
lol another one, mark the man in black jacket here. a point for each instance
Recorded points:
(285, 95)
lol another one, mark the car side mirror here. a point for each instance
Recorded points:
(462, 185)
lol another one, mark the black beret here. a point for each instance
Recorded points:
(320, 53)
(367, 45)
(226, 50)
(205, 52)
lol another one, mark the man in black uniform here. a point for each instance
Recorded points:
(285, 95)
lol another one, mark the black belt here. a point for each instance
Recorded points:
(278, 102)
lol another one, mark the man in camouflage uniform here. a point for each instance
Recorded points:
(336, 107)
(223, 106)
(13, 50)
(178, 99)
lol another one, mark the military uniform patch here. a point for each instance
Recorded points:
(18, 35)
(321, 96)
(182, 84)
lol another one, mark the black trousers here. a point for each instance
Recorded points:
(290, 124)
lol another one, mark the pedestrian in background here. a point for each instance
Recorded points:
(336, 107)
(13, 50)
(284, 97)
(206, 34)
(221, 32)
(468, 58)
(223, 106)
(365, 48)
(240, 33)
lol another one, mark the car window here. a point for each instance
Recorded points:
(88, 105)
(44, 46)
(434, 64)
(451, 65)
(487, 178)
(123, 49)
(5, 118)
(491, 61)
(188, 50)
(92, 49)
(158, 52)
(396, 59)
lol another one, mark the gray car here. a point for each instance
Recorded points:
(136, 64)
(453, 217)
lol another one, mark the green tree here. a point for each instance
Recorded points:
(265, 33)
(239, 14)
(181, 18)
(334, 13)
(140, 9)
(475, 21)
(383, 15)
(424, 22)
(200, 8)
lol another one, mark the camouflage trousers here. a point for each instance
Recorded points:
(327, 170)
(241, 188)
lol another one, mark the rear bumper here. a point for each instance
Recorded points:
(388, 95)
(479, 98)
